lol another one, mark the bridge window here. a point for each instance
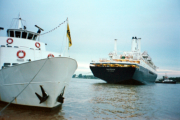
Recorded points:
(35, 36)
(11, 33)
(18, 34)
(30, 36)
(24, 34)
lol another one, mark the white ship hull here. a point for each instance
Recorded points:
(53, 77)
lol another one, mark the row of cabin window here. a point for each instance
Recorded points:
(24, 35)
(8, 64)
(17, 47)
(8, 46)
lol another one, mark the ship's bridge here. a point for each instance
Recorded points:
(22, 33)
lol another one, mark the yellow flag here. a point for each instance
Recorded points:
(69, 35)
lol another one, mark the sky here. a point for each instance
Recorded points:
(94, 24)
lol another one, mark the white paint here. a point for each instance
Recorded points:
(54, 75)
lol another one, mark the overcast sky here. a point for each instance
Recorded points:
(94, 24)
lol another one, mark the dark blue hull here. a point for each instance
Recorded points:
(124, 75)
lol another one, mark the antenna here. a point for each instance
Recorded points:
(1, 28)
(39, 29)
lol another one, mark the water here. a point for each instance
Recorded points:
(95, 99)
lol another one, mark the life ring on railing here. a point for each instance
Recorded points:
(9, 39)
(50, 55)
(21, 51)
(37, 44)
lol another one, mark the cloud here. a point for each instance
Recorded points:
(83, 68)
(83, 65)
(163, 70)
(169, 72)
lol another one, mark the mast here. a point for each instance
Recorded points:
(19, 20)
(115, 46)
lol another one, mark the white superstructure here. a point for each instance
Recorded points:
(135, 56)
(24, 61)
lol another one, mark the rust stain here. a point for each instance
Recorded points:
(15, 100)
(46, 103)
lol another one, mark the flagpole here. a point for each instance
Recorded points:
(67, 41)
(68, 35)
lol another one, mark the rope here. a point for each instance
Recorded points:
(23, 89)
(16, 26)
(54, 28)
(12, 22)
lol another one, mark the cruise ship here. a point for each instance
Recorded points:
(131, 67)
(29, 74)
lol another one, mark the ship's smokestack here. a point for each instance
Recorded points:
(136, 44)
(139, 44)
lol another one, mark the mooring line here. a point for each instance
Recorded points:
(23, 89)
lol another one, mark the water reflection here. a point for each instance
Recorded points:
(18, 112)
(124, 101)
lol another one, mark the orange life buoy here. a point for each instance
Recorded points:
(37, 44)
(50, 55)
(9, 40)
(21, 51)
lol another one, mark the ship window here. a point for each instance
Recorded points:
(6, 64)
(15, 64)
(35, 36)
(11, 33)
(151, 72)
(30, 36)
(24, 34)
(123, 57)
(18, 34)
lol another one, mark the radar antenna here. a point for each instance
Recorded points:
(1, 28)
(39, 29)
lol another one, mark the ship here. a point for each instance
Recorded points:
(167, 80)
(131, 67)
(29, 74)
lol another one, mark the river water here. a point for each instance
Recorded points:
(94, 99)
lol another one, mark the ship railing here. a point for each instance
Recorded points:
(112, 65)
(148, 63)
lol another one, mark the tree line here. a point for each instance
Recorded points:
(84, 76)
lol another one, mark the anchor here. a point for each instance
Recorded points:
(60, 98)
(44, 95)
